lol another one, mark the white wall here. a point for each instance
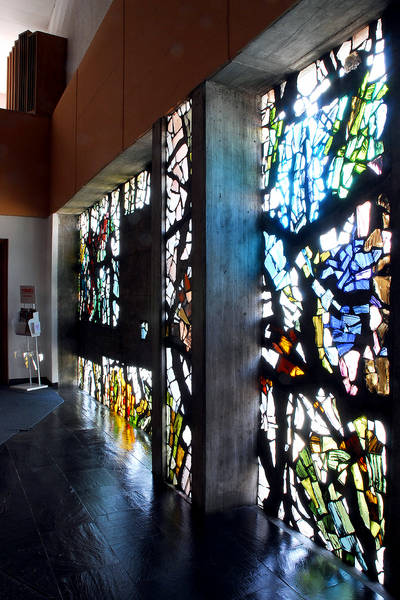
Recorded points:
(30, 263)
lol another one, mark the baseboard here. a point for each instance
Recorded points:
(34, 380)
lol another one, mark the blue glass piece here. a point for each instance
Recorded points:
(351, 320)
(359, 285)
(364, 308)
(344, 348)
(375, 302)
(336, 517)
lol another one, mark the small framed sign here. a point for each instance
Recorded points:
(27, 293)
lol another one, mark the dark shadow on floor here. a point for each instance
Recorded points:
(80, 517)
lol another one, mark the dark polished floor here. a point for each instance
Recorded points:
(80, 517)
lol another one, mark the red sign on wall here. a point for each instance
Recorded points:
(27, 293)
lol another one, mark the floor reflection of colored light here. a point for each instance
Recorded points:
(124, 433)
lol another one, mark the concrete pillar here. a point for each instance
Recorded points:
(68, 269)
(226, 308)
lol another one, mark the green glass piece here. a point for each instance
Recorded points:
(363, 508)
(337, 167)
(328, 145)
(300, 470)
(359, 168)
(369, 92)
(382, 91)
(358, 119)
(364, 85)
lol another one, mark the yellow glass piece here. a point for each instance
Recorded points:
(385, 220)
(320, 308)
(285, 344)
(179, 456)
(332, 492)
(315, 444)
(182, 315)
(382, 288)
(289, 293)
(326, 365)
(325, 256)
(358, 107)
(361, 425)
(371, 497)
(382, 263)
(374, 240)
(309, 489)
(328, 443)
(318, 496)
(358, 480)
(377, 375)
(142, 406)
(382, 330)
(178, 424)
(319, 331)
(318, 406)
(308, 251)
(296, 371)
(362, 505)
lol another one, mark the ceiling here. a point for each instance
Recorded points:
(17, 16)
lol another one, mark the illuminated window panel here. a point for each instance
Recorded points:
(178, 297)
(326, 301)
(99, 262)
(318, 143)
(137, 192)
(126, 390)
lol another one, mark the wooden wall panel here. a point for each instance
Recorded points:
(100, 97)
(170, 47)
(63, 148)
(24, 164)
(248, 19)
(144, 59)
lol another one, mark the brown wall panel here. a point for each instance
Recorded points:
(170, 47)
(24, 164)
(248, 19)
(100, 97)
(144, 59)
(63, 148)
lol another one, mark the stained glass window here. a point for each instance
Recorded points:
(99, 229)
(326, 301)
(99, 261)
(126, 390)
(137, 192)
(178, 297)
